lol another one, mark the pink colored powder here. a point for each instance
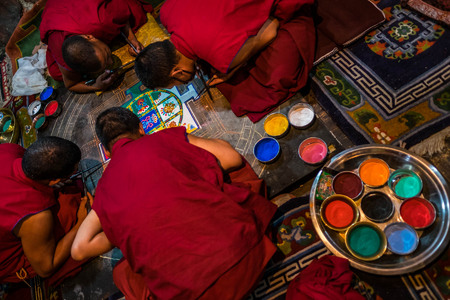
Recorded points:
(314, 153)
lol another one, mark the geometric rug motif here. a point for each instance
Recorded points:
(393, 85)
(298, 245)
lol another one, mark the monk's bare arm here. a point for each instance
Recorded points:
(133, 40)
(75, 83)
(227, 156)
(253, 45)
(44, 253)
(90, 240)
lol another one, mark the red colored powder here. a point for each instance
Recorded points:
(51, 108)
(339, 214)
(417, 213)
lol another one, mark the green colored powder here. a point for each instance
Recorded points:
(39, 122)
(6, 125)
(408, 187)
(364, 241)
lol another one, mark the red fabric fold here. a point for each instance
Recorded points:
(276, 74)
(328, 278)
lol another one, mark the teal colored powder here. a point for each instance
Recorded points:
(39, 122)
(408, 187)
(6, 125)
(364, 241)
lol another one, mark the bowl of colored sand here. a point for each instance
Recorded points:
(313, 151)
(338, 212)
(348, 183)
(47, 94)
(418, 212)
(402, 239)
(6, 124)
(39, 122)
(374, 172)
(52, 109)
(377, 207)
(276, 125)
(405, 183)
(365, 241)
(266, 150)
(35, 108)
(301, 115)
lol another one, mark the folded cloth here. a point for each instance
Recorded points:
(326, 278)
(29, 79)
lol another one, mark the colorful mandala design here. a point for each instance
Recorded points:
(404, 36)
(157, 110)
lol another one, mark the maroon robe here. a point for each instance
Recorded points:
(22, 197)
(214, 31)
(101, 18)
(165, 203)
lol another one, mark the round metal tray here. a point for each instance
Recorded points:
(433, 239)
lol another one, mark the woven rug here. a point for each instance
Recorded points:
(393, 85)
(298, 245)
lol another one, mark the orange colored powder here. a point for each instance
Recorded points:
(276, 126)
(374, 173)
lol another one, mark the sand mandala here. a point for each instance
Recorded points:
(165, 108)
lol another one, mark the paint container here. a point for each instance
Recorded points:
(377, 207)
(348, 183)
(405, 183)
(301, 115)
(48, 94)
(35, 108)
(52, 109)
(266, 150)
(401, 238)
(39, 122)
(276, 125)
(313, 151)
(418, 212)
(374, 172)
(365, 241)
(6, 124)
(338, 212)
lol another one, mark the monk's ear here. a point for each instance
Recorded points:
(107, 153)
(175, 71)
(88, 36)
(141, 129)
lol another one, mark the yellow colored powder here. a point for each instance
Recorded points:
(276, 125)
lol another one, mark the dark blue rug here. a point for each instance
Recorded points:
(391, 86)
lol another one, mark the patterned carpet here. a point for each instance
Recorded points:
(392, 86)
(298, 245)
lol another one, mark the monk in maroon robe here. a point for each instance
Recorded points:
(36, 228)
(98, 21)
(260, 51)
(182, 209)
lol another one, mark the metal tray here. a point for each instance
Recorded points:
(433, 240)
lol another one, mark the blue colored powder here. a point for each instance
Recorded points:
(266, 149)
(46, 93)
(402, 241)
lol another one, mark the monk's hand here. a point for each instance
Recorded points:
(106, 79)
(137, 45)
(82, 210)
(217, 79)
